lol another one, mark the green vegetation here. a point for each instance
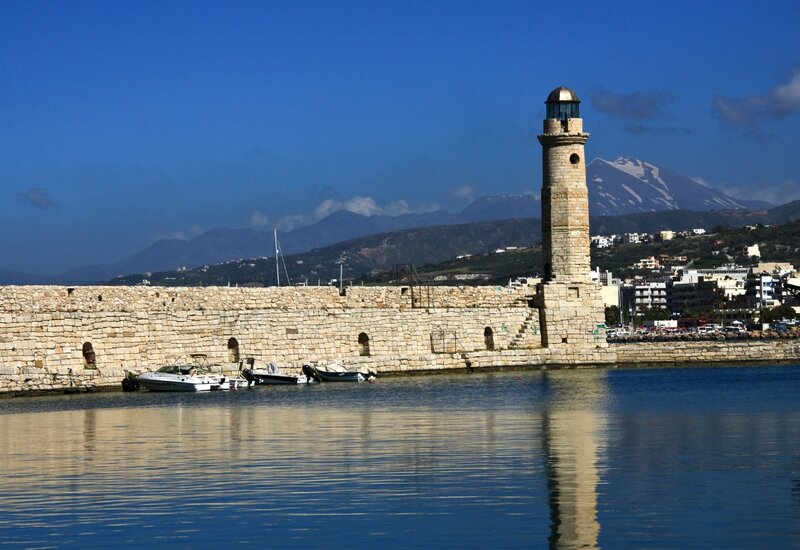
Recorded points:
(371, 260)
(778, 313)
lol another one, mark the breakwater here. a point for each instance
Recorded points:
(60, 338)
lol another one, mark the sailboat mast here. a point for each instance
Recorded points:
(277, 265)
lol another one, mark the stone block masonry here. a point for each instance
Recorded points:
(44, 331)
(59, 337)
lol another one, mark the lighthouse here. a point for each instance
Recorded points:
(571, 312)
(565, 197)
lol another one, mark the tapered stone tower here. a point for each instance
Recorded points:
(571, 307)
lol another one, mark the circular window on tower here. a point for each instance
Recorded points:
(574, 158)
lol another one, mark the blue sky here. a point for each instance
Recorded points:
(125, 122)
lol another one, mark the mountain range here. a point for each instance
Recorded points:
(426, 248)
(626, 186)
(618, 187)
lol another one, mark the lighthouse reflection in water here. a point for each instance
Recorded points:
(556, 459)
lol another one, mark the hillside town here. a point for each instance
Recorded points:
(666, 293)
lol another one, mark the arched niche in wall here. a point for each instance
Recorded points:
(488, 338)
(89, 358)
(363, 344)
(233, 350)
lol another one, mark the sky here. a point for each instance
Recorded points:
(122, 123)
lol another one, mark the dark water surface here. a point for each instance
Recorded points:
(622, 458)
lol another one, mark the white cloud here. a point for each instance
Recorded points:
(463, 193)
(787, 96)
(258, 219)
(749, 112)
(396, 208)
(365, 206)
(180, 234)
(292, 221)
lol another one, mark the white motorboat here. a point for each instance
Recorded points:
(182, 378)
(194, 377)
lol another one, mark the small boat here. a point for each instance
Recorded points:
(182, 378)
(337, 373)
(193, 377)
(271, 375)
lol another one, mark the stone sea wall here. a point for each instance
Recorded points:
(45, 330)
(60, 338)
(708, 352)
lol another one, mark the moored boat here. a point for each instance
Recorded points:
(337, 373)
(181, 378)
(272, 375)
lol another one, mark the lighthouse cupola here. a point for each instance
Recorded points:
(563, 104)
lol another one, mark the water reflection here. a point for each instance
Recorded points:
(292, 464)
(559, 458)
(573, 433)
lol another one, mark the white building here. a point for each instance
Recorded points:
(763, 291)
(647, 263)
(628, 238)
(731, 279)
(648, 295)
(602, 241)
(752, 251)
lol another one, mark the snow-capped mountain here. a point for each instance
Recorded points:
(621, 186)
(626, 185)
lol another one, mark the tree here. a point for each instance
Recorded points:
(656, 314)
(612, 316)
(783, 311)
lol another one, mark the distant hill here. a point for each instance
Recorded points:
(431, 245)
(17, 278)
(370, 254)
(624, 186)
(784, 213)
(502, 207)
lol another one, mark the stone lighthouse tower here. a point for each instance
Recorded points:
(571, 307)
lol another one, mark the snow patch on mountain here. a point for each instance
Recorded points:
(632, 192)
(626, 185)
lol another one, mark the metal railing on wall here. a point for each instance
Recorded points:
(421, 293)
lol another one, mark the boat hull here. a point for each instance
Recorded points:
(164, 385)
(324, 375)
(266, 378)
(180, 384)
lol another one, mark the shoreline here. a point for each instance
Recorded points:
(55, 339)
(462, 371)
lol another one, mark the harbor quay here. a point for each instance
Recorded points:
(82, 338)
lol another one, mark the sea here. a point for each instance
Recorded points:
(619, 458)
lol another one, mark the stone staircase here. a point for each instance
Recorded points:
(519, 338)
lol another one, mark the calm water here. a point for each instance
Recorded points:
(624, 458)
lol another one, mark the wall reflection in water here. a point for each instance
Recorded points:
(566, 458)
(415, 468)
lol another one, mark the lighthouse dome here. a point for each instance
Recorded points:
(562, 93)
(562, 104)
